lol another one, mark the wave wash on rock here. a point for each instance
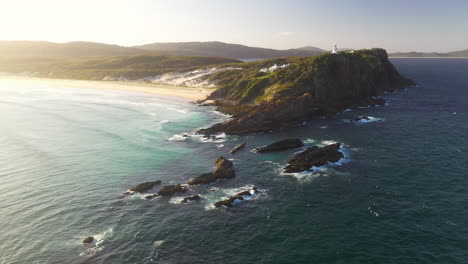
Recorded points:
(309, 87)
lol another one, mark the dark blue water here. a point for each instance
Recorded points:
(400, 196)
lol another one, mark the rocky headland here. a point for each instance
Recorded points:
(300, 89)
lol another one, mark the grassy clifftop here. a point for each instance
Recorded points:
(326, 77)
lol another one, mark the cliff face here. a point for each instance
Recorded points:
(306, 88)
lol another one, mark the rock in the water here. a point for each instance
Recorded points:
(88, 240)
(149, 197)
(240, 196)
(145, 186)
(282, 145)
(191, 198)
(362, 118)
(314, 156)
(171, 189)
(223, 170)
(237, 148)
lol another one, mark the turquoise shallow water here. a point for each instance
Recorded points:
(67, 156)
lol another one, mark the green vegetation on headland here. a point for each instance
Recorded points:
(98, 67)
(311, 75)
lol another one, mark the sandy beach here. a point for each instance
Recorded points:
(190, 93)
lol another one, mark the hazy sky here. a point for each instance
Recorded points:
(398, 25)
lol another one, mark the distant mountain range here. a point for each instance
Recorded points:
(414, 54)
(70, 49)
(220, 49)
(46, 49)
(212, 49)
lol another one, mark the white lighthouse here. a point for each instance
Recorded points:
(335, 49)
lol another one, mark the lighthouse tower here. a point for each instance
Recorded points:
(335, 49)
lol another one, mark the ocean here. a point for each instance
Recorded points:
(399, 195)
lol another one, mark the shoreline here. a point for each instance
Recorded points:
(189, 93)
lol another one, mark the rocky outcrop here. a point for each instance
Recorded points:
(171, 189)
(151, 196)
(308, 88)
(360, 118)
(146, 186)
(232, 199)
(88, 240)
(281, 145)
(314, 157)
(223, 170)
(191, 198)
(267, 117)
(237, 148)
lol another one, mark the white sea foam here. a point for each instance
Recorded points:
(222, 194)
(218, 138)
(327, 142)
(98, 243)
(178, 137)
(369, 120)
(178, 199)
(133, 196)
(364, 120)
(373, 210)
(220, 146)
(323, 127)
(183, 111)
(310, 141)
(157, 244)
(226, 116)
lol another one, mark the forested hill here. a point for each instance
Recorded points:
(234, 51)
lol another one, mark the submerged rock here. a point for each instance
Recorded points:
(240, 196)
(365, 119)
(282, 145)
(223, 170)
(314, 156)
(88, 240)
(149, 197)
(362, 118)
(145, 186)
(237, 148)
(171, 189)
(191, 198)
